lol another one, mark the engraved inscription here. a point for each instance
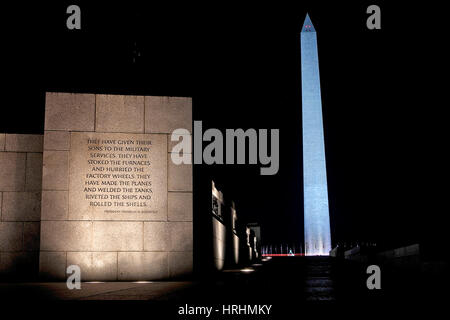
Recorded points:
(118, 173)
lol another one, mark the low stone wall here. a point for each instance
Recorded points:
(219, 240)
(399, 259)
(403, 258)
(412, 250)
(361, 254)
(20, 205)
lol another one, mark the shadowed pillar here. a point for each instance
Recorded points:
(316, 212)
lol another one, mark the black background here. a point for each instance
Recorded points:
(382, 89)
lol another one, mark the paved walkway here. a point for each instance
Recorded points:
(158, 291)
(288, 283)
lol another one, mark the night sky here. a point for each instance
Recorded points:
(384, 120)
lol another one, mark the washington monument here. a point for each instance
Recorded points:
(316, 211)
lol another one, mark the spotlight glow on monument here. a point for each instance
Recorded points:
(316, 212)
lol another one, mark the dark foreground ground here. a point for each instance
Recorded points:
(296, 287)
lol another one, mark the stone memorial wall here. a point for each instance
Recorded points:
(218, 228)
(20, 205)
(112, 200)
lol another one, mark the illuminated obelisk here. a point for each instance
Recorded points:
(316, 212)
